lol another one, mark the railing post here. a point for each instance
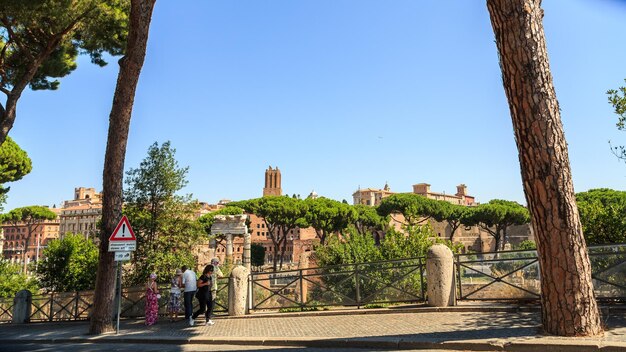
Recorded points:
(458, 275)
(51, 307)
(422, 269)
(357, 285)
(76, 306)
(301, 290)
(250, 290)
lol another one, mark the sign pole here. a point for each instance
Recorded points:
(119, 297)
(122, 241)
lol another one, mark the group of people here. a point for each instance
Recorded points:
(185, 284)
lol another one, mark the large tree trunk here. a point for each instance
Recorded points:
(119, 121)
(568, 303)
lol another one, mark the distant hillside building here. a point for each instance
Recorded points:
(473, 238)
(272, 183)
(371, 196)
(81, 214)
(461, 197)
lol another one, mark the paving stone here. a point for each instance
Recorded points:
(409, 328)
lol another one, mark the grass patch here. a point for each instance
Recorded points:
(297, 309)
(376, 305)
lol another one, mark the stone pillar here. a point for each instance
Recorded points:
(238, 291)
(303, 285)
(246, 251)
(229, 248)
(212, 248)
(22, 307)
(440, 276)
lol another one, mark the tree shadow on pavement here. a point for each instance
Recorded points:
(470, 326)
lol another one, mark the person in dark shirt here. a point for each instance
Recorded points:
(204, 295)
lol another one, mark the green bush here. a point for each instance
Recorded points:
(12, 280)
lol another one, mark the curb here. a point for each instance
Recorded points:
(363, 343)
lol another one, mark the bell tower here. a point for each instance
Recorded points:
(272, 182)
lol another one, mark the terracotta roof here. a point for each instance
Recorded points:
(82, 207)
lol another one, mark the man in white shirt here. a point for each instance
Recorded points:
(189, 280)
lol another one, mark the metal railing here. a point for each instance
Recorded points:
(608, 271)
(341, 285)
(514, 275)
(69, 306)
(6, 309)
(507, 275)
(510, 275)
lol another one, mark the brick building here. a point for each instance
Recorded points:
(16, 239)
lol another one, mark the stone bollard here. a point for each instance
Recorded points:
(440, 276)
(238, 291)
(22, 307)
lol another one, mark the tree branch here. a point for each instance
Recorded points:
(12, 36)
(73, 23)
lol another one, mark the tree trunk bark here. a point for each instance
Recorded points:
(568, 303)
(119, 122)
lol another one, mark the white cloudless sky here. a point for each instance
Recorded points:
(337, 93)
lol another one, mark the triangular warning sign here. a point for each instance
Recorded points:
(123, 231)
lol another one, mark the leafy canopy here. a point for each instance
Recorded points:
(414, 207)
(157, 178)
(164, 223)
(29, 215)
(353, 247)
(14, 164)
(46, 36)
(496, 217)
(328, 216)
(69, 264)
(368, 220)
(455, 215)
(603, 215)
(12, 280)
(281, 215)
(617, 98)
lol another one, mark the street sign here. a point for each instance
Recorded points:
(123, 238)
(122, 256)
(123, 231)
(127, 246)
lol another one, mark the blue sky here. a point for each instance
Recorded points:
(337, 93)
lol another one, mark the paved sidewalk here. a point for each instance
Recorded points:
(454, 329)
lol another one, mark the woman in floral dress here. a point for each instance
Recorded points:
(152, 300)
